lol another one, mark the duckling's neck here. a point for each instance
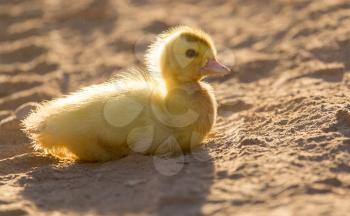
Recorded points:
(189, 86)
(171, 86)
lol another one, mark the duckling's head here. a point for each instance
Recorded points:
(184, 54)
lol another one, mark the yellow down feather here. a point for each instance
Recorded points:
(165, 109)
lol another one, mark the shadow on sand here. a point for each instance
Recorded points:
(129, 185)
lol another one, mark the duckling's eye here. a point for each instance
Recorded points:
(190, 53)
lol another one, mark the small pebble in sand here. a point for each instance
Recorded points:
(132, 183)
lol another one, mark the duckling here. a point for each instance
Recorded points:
(164, 109)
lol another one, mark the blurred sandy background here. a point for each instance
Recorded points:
(282, 141)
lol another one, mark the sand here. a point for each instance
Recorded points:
(281, 145)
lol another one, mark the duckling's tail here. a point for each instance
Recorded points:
(34, 125)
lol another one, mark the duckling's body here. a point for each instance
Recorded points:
(136, 112)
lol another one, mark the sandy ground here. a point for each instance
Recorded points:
(281, 145)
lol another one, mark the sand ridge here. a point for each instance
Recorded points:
(281, 145)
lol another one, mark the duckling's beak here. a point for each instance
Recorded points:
(214, 68)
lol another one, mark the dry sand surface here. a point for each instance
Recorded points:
(281, 145)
